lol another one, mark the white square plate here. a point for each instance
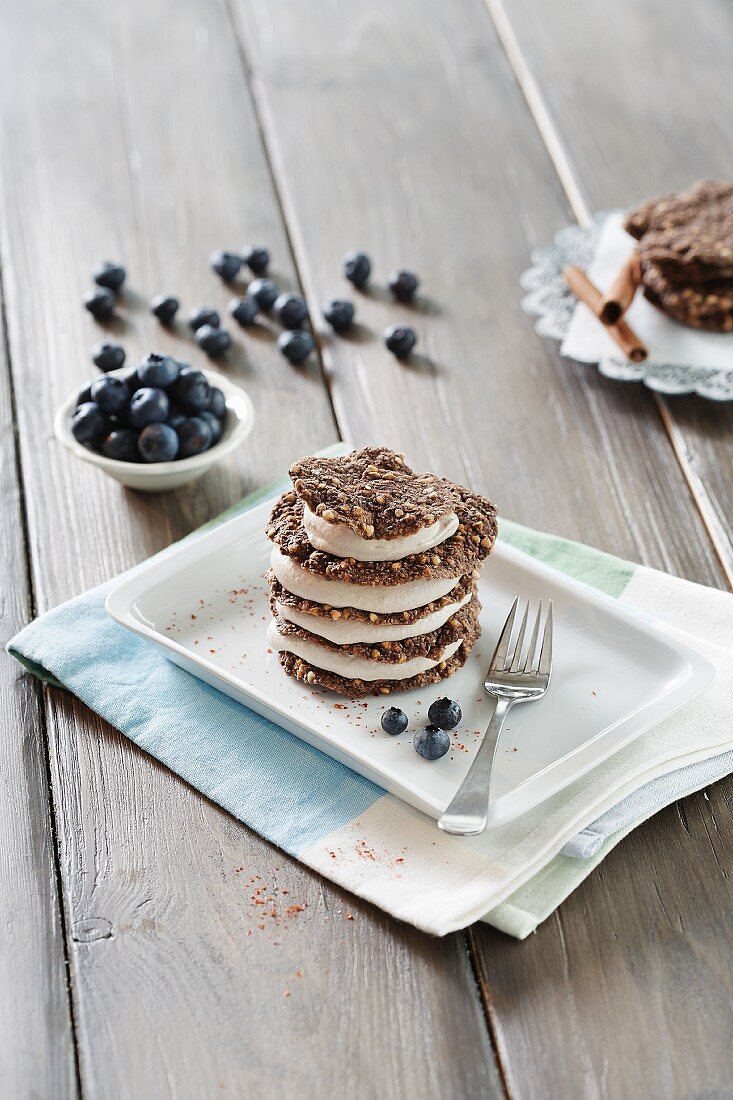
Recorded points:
(615, 674)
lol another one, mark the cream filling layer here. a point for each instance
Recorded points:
(342, 542)
(348, 631)
(385, 600)
(349, 666)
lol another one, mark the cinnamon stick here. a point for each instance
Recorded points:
(585, 291)
(621, 294)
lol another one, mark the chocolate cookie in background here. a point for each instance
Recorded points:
(373, 573)
(686, 252)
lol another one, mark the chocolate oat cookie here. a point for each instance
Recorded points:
(458, 555)
(374, 492)
(688, 236)
(357, 689)
(707, 305)
(278, 594)
(429, 645)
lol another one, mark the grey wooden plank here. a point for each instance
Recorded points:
(420, 137)
(627, 125)
(36, 1036)
(141, 143)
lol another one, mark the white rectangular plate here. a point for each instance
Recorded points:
(615, 674)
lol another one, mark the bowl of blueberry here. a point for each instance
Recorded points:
(155, 426)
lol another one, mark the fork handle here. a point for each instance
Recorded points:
(469, 809)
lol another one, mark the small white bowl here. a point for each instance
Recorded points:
(159, 477)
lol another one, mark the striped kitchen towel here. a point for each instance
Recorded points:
(352, 831)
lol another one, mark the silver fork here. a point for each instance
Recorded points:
(511, 681)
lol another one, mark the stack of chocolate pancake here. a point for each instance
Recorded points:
(373, 573)
(686, 251)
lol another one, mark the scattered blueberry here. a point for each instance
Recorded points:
(164, 307)
(431, 743)
(357, 268)
(394, 721)
(109, 275)
(214, 341)
(194, 435)
(175, 416)
(295, 344)
(88, 423)
(400, 339)
(158, 443)
(264, 292)
(147, 406)
(244, 310)
(100, 303)
(108, 356)
(403, 285)
(158, 371)
(214, 423)
(339, 313)
(122, 445)
(191, 390)
(256, 258)
(110, 393)
(204, 315)
(445, 713)
(225, 264)
(84, 396)
(216, 402)
(290, 310)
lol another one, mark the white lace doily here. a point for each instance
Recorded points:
(550, 300)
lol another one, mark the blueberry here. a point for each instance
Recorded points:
(175, 416)
(158, 443)
(110, 393)
(131, 380)
(204, 315)
(122, 445)
(147, 406)
(290, 310)
(84, 396)
(214, 423)
(400, 339)
(164, 307)
(256, 258)
(88, 423)
(339, 313)
(194, 435)
(244, 310)
(403, 285)
(100, 303)
(264, 292)
(357, 268)
(445, 713)
(109, 275)
(214, 341)
(225, 264)
(296, 344)
(431, 743)
(108, 356)
(158, 371)
(394, 721)
(191, 390)
(216, 402)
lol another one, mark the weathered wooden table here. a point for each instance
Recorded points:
(452, 138)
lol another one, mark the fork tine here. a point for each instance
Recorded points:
(531, 660)
(546, 653)
(497, 661)
(520, 640)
